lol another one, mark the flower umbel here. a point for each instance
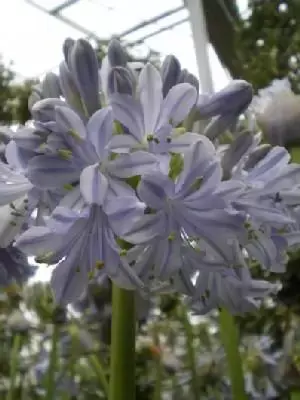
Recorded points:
(124, 192)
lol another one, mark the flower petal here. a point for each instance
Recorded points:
(12, 192)
(93, 185)
(122, 143)
(38, 240)
(145, 229)
(27, 138)
(17, 158)
(270, 165)
(11, 225)
(62, 219)
(179, 102)
(123, 212)
(137, 163)
(69, 121)
(99, 130)
(154, 188)
(150, 92)
(44, 110)
(182, 143)
(68, 282)
(196, 160)
(47, 171)
(128, 112)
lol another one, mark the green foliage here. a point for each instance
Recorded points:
(268, 42)
(13, 97)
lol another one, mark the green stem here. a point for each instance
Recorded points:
(99, 371)
(188, 328)
(122, 367)
(13, 366)
(159, 369)
(50, 383)
(230, 339)
(295, 154)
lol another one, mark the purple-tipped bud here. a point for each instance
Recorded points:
(84, 68)
(116, 54)
(257, 155)
(120, 80)
(50, 86)
(69, 88)
(232, 100)
(67, 47)
(236, 151)
(170, 73)
(187, 77)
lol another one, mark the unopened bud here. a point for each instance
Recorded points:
(120, 80)
(232, 100)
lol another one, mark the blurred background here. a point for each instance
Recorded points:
(178, 354)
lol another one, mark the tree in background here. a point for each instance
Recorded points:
(13, 96)
(268, 42)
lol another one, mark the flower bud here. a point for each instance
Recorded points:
(120, 80)
(36, 95)
(257, 155)
(170, 73)
(84, 67)
(67, 47)
(116, 54)
(187, 77)
(219, 125)
(69, 88)
(50, 86)
(237, 149)
(232, 100)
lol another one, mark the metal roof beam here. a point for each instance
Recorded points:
(62, 6)
(150, 21)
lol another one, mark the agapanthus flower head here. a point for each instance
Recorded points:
(277, 110)
(135, 198)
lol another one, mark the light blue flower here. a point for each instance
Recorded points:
(150, 119)
(256, 192)
(226, 282)
(272, 175)
(85, 156)
(188, 206)
(83, 243)
(21, 202)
